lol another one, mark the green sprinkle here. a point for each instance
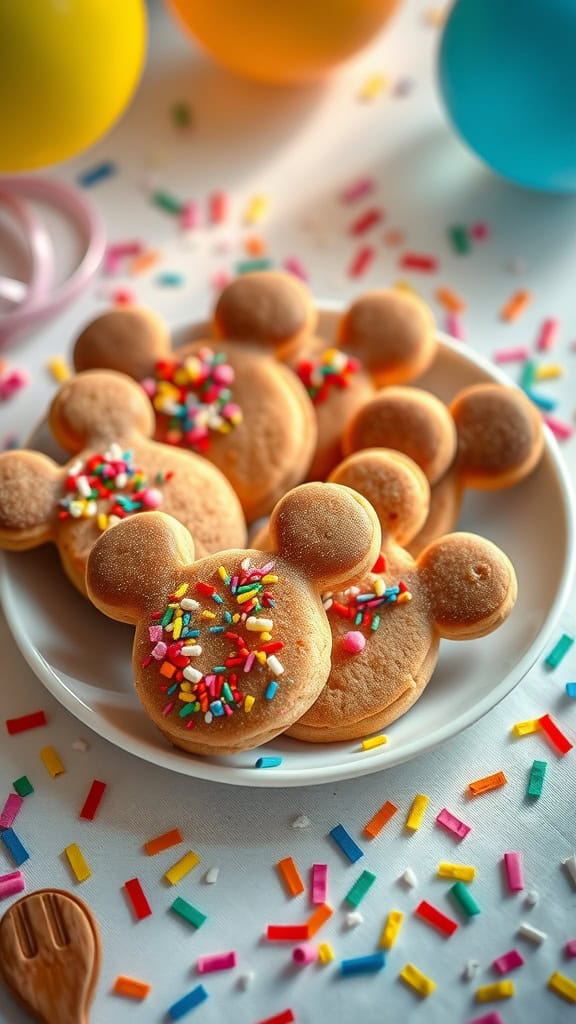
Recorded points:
(167, 202)
(375, 623)
(227, 694)
(249, 586)
(358, 619)
(23, 786)
(188, 912)
(458, 236)
(464, 899)
(536, 778)
(358, 891)
(188, 709)
(528, 375)
(559, 651)
(219, 670)
(167, 617)
(182, 115)
(248, 266)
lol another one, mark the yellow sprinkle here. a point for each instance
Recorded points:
(463, 872)
(421, 984)
(222, 572)
(330, 355)
(404, 598)
(374, 741)
(182, 867)
(59, 369)
(499, 990)
(391, 929)
(525, 728)
(417, 812)
(261, 657)
(181, 591)
(177, 627)
(325, 953)
(379, 586)
(549, 372)
(405, 286)
(102, 521)
(186, 687)
(563, 986)
(265, 637)
(208, 615)
(247, 596)
(236, 617)
(52, 762)
(270, 578)
(372, 87)
(257, 209)
(77, 862)
(249, 702)
(188, 698)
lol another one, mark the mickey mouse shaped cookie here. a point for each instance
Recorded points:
(386, 628)
(232, 649)
(234, 404)
(385, 337)
(106, 421)
(489, 438)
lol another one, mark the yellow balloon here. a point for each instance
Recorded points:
(282, 40)
(67, 70)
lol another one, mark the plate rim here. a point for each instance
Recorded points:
(380, 758)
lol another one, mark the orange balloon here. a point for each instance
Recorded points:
(282, 40)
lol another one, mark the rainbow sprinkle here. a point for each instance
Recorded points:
(215, 691)
(110, 477)
(195, 394)
(363, 606)
(321, 374)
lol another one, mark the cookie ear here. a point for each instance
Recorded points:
(392, 332)
(408, 420)
(500, 436)
(30, 484)
(471, 585)
(330, 533)
(135, 563)
(99, 406)
(395, 487)
(269, 308)
(130, 340)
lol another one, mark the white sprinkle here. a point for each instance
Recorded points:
(91, 509)
(208, 718)
(75, 468)
(531, 898)
(245, 980)
(274, 665)
(193, 651)
(113, 521)
(255, 625)
(526, 931)
(409, 879)
(188, 604)
(300, 821)
(80, 745)
(211, 876)
(83, 486)
(114, 453)
(327, 603)
(353, 918)
(471, 969)
(570, 865)
(121, 480)
(192, 674)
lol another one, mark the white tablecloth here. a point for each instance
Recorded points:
(298, 148)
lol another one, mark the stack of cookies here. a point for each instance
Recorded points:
(347, 477)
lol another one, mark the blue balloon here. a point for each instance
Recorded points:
(507, 72)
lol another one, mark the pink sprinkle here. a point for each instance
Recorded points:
(357, 190)
(217, 962)
(488, 1018)
(455, 327)
(11, 382)
(152, 497)
(508, 962)
(361, 261)
(511, 355)
(319, 883)
(190, 215)
(159, 651)
(514, 871)
(218, 204)
(304, 954)
(11, 884)
(110, 264)
(559, 428)
(480, 231)
(249, 662)
(119, 249)
(548, 334)
(10, 810)
(219, 280)
(570, 948)
(452, 824)
(353, 642)
(168, 708)
(267, 568)
(155, 633)
(293, 265)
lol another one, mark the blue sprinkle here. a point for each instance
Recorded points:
(172, 689)
(216, 629)
(18, 853)
(189, 633)
(170, 279)
(97, 173)
(268, 762)
(217, 708)
(218, 598)
(571, 689)
(542, 401)
(271, 690)
(363, 964)
(344, 840)
(360, 598)
(188, 1002)
(219, 670)
(227, 617)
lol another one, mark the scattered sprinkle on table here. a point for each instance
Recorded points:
(164, 842)
(555, 735)
(408, 878)
(326, 954)
(319, 887)
(25, 722)
(361, 261)
(346, 844)
(536, 778)
(417, 812)
(373, 86)
(182, 867)
(515, 354)
(374, 827)
(189, 913)
(391, 929)
(76, 861)
(548, 334)
(508, 962)
(216, 962)
(130, 987)
(357, 189)
(92, 802)
(59, 369)
(291, 876)
(11, 884)
(459, 240)
(9, 812)
(23, 786)
(417, 981)
(516, 305)
(257, 209)
(100, 172)
(181, 114)
(514, 871)
(170, 279)
(452, 824)
(419, 261)
(15, 848)
(526, 728)
(435, 918)
(361, 886)
(165, 201)
(137, 899)
(304, 954)
(559, 651)
(563, 986)
(498, 990)
(462, 872)
(487, 784)
(363, 964)
(52, 762)
(464, 898)
(318, 919)
(188, 1002)
(527, 931)
(286, 1017)
(450, 300)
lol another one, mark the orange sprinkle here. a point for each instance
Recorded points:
(167, 669)
(255, 246)
(487, 784)
(130, 987)
(163, 842)
(290, 876)
(318, 919)
(516, 305)
(450, 300)
(373, 827)
(393, 237)
(143, 261)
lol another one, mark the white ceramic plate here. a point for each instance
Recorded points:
(84, 659)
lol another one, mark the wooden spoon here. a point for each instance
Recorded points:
(50, 955)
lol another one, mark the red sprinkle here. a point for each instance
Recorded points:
(135, 894)
(33, 721)
(361, 261)
(92, 801)
(287, 932)
(286, 1017)
(556, 737)
(366, 221)
(419, 261)
(435, 918)
(379, 564)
